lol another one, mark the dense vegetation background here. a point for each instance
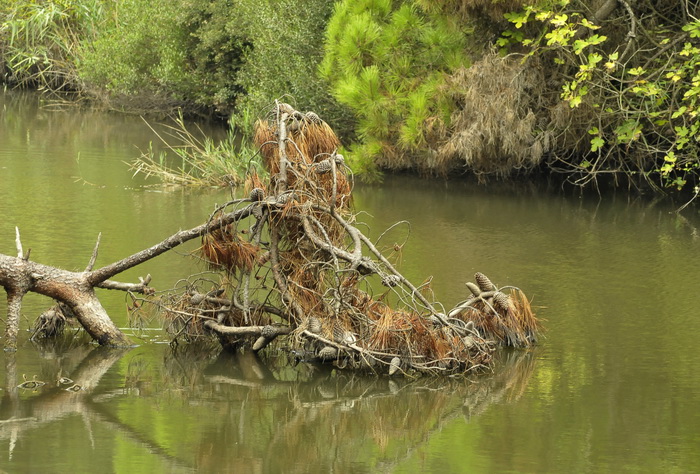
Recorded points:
(596, 90)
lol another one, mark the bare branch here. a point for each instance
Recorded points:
(18, 244)
(97, 276)
(93, 257)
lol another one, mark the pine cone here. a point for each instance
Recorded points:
(323, 167)
(257, 194)
(328, 353)
(342, 336)
(484, 282)
(391, 281)
(286, 108)
(394, 365)
(501, 302)
(314, 325)
(260, 342)
(284, 198)
(313, 118)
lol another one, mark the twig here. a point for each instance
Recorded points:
(18, 244)
(632, 34)
(93, 257)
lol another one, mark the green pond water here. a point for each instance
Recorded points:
(613, 387)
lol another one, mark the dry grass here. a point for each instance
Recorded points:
(513, 324)
(311, 142)
(494, 130)
(223, 249)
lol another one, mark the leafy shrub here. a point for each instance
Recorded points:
(232, 54)
(215, 48)
(38, 40)
(627, 102)
(286, 39)
(141, 51)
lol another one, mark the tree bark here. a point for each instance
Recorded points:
(19, 275)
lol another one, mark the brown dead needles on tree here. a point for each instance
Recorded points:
(296, 266)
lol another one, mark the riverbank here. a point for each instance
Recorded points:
(512, 89)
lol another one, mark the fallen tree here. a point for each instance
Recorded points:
(294, 264)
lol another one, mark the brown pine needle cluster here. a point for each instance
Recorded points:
(223, 249)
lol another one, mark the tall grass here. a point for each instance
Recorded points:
(192, 159)
(40, 41)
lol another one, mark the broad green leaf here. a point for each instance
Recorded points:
(596, 143)
(681, 110)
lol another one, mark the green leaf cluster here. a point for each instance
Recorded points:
(286, 47)
(387, 61)
(639, 102)
(182, 50)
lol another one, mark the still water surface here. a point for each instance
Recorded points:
(612, 387)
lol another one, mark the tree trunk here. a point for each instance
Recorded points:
(20, 276)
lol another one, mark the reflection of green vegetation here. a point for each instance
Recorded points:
(63, 180)
(613, 385)
(319, 419)
(185, 409)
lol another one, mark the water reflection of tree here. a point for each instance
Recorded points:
(67, 385)
(251, 414)
(332, 420)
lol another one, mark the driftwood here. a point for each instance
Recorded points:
(75, 290)
(293, 264)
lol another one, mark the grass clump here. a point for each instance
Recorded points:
(193, 159)
(39, 41)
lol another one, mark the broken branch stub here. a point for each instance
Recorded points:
(296, 259)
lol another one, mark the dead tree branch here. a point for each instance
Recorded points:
(294, 265)
(314, 265)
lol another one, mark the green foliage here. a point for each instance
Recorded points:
(132, 45)
(38, 40)
(638, 101)
(286, 38)
(387, 61)
(192, 159)
(180, 50)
